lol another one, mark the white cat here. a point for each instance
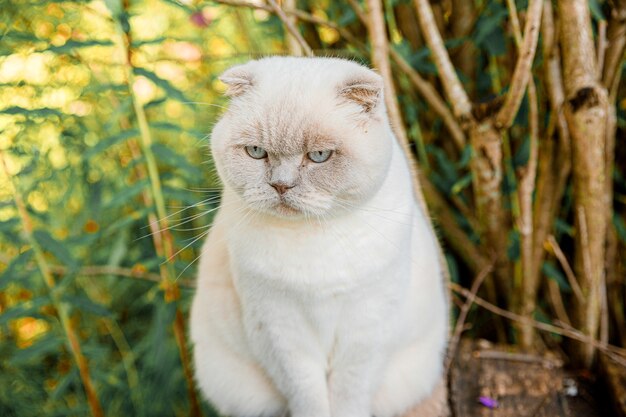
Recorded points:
(320, 290)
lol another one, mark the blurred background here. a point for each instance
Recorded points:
(107, 186)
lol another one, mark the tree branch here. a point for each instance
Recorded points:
(291, 28)
(432, 97)
(616, 38)
(380, 59)
(453, 88)
(522, 72)
(587, 113)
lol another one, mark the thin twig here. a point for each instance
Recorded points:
(569, 273)
(456, 94)
(460, 323)
(554, 292)
(380, 59)
(95, 270)
(601, 46)
(432, 97)
(527, 176)
(293, 44)
(619, 354)
(423, 87)
(522, 72)
(291, 28)
(545, 361)
(616, 39)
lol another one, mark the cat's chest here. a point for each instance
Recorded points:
(330, 258)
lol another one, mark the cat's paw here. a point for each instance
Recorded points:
(435, 405)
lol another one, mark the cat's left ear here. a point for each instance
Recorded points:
(238, 79)
(364, 89)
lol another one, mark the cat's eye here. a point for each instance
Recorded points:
(319, 156)
(256, 152)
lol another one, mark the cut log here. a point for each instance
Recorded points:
(502, 381)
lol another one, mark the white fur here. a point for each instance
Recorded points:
(336, 309)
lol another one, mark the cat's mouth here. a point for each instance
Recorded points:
(286, 209)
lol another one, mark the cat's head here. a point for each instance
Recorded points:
(303, 137)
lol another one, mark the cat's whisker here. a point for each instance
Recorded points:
(184, 221)
(158, 221)
(190, 229)
(205, 104)
(185, 247)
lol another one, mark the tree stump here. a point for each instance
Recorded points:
(503, 381)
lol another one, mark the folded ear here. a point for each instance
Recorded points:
(238, 79)
(364, 89)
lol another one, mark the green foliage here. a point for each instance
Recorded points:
(71, 141)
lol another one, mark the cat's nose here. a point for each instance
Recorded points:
(281, 187)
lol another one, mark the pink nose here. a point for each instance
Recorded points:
(281, 187)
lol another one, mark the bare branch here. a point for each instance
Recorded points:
(614, 352)
(587, 114)
(380, 59)
(573, 281)
(455, 92)
(291, 28)
(294, 46)
(422, 86)
(460, 323)
(432, 97)
(522, 72)
(616, 43)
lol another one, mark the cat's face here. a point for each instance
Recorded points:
(303, 137)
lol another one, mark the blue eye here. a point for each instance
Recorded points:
(256, 152)
(319, 156)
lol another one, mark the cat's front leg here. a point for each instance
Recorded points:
(288, 350)
(362, 349)
(352, 378)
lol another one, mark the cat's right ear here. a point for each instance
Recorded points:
(238, 80)
(366, 90)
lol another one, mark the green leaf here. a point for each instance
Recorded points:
(489, 24)
(49, 343)
(65, 383)
(551, 271)
(171, 91)
(348, 16)
(175, 160)
(115, 6)
(127, 194)
(71, 44)
(179, 5)
(445, 165)
(522, 155)
(83, 303)
(513, 251)
(11, 271)
(562, 226)
(453, 267)
(56, 248)
(28, 308)
(110, 141)
(596, 10)
(176, 128)
(466, 157)
(42, 112)
(20, 36)
(620, 227)
(126, 220)
(138, 43)
(461, 184)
